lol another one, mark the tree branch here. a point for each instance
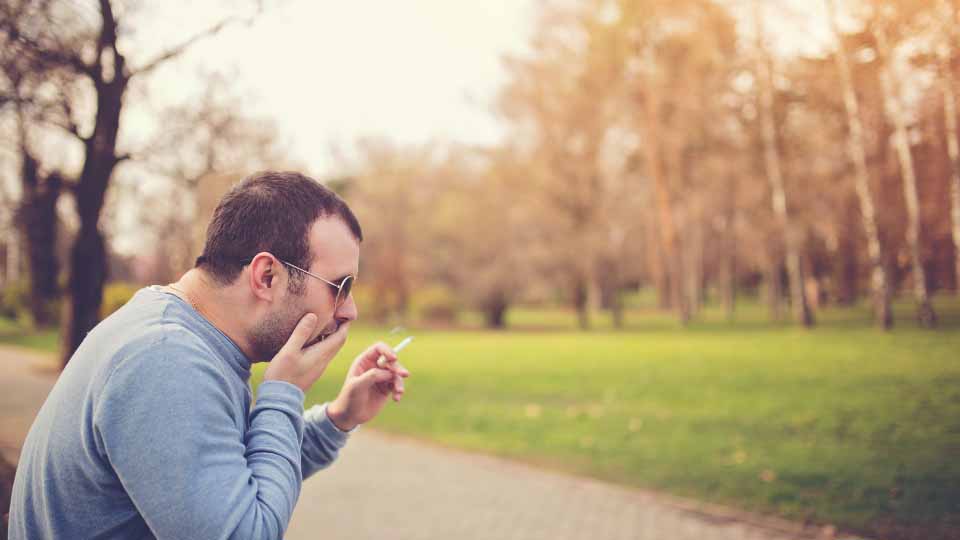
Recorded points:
(181, 48)
(70, 125)
(63, 58)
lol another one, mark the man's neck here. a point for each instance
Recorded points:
(215, 303)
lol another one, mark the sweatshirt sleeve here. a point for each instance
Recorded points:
(170, 429)
(322, 440)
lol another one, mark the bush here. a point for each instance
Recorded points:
(15, 300)
(380, 308)
(436, 304)
(115, 295)
(15, 304)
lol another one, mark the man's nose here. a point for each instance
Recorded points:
(347, 310)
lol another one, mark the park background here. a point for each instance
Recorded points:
(708, 247)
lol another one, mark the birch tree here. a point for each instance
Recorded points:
(856, 143)
(897, 117)
(950, 19)
(774, 170)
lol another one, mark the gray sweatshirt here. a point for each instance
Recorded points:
(149, 433)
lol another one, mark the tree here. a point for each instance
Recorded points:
(946, 49)
(883, 315)
(35, 215)
(481, 219)
(89, 57)
(204, 139)
(897, 117)
(557, 102)
(774, 170)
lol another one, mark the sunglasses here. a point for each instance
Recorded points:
(341, 290)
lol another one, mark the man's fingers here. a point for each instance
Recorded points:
(393, 365)
(338, 337)
(397, 387)
(301, 334)
(376, 376)
(370, 357)
(320, 354)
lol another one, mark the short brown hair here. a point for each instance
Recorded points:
(269, 211)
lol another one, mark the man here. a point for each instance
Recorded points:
(149, 431)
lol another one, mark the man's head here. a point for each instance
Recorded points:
(264, 227)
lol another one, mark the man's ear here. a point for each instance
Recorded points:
(264, 276)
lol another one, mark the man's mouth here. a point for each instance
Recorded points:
(325, 335)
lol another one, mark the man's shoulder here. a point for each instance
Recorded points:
(163, 360)
(152, 327)
(151, 320)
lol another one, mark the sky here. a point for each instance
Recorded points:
(331, 72)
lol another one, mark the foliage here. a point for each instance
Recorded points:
(115, 295)
(15, 299)
(15, 304)
(435, 304)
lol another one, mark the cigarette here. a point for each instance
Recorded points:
(403, 344)
(382, 361)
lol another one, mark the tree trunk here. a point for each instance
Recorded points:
(846, 289)
(774, 291)
(581, 302)
(656, 262)
(37, 219)
(728, 270)
(616, 308)
(728, 241)
(728, 278)
(694, 266)
(668, 237)
(953, 146)
(801, 308)
(88, 259)
(495, 311)
(88, 274)
(925, 314)
(879, 284)
(12, 274)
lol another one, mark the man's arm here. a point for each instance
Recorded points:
(322, 440)
(168, 426)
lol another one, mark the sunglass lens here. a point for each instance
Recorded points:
(344, 290)
(345, 287)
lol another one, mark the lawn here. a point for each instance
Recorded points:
(842, 424)
(12, 334)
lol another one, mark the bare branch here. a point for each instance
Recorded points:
(69, 124)
(63, 58)
(177, 50)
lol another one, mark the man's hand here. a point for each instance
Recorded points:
(302, 367)
(367, 387)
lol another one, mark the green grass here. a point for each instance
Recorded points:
(12, 333)
(842, 424)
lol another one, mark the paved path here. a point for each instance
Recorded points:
(386, 487)
(25, 379)
(390, 487)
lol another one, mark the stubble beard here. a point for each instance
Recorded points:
(271, 333)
